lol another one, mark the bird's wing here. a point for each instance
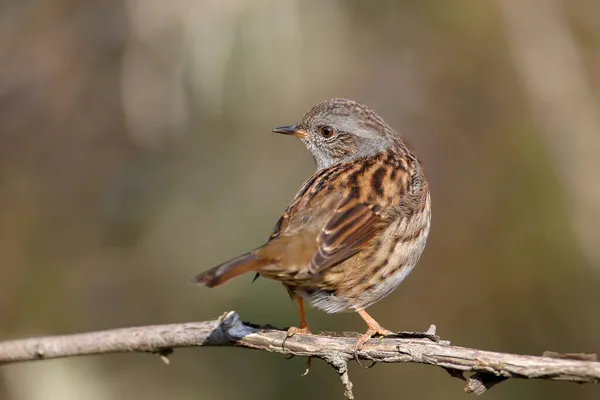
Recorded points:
(280, 226)
(348, 231)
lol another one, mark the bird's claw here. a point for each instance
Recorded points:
(357, 347)
(365, 338)
(291, 332)
(308, 363)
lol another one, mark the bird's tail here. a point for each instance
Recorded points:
(230, 269)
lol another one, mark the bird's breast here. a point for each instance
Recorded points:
(368, 277)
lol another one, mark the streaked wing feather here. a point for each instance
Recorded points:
(346, 233)
(279, 226)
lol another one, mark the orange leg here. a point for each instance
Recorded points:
(302, 329)
(373, 329)
(303, 324)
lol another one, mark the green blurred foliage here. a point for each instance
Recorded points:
(135, 152)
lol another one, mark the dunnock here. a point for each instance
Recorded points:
(356, 228)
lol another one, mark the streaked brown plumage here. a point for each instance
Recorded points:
(356, 228)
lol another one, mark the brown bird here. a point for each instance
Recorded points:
(356, 228)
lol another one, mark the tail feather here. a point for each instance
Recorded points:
(230, 269)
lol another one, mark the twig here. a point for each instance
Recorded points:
(489, 368)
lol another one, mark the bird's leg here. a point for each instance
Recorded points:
(292, 330)
(302, 329)
(303, 324)
(373, 328)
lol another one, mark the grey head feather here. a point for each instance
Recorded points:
(358, 132)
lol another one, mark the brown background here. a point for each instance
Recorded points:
(135, 152)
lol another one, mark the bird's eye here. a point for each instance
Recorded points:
(326, 131)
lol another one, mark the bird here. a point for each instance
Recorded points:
(355, 229)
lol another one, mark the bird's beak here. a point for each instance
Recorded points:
(291, 130)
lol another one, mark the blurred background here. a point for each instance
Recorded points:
(135, 152)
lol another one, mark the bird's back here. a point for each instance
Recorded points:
(393, 185)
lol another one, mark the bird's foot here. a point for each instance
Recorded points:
(373, 330)
(291, 332)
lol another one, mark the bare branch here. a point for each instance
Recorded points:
(489, 368)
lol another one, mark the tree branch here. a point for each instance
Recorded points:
(489, 368)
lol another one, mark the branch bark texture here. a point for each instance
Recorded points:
(488, 367)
